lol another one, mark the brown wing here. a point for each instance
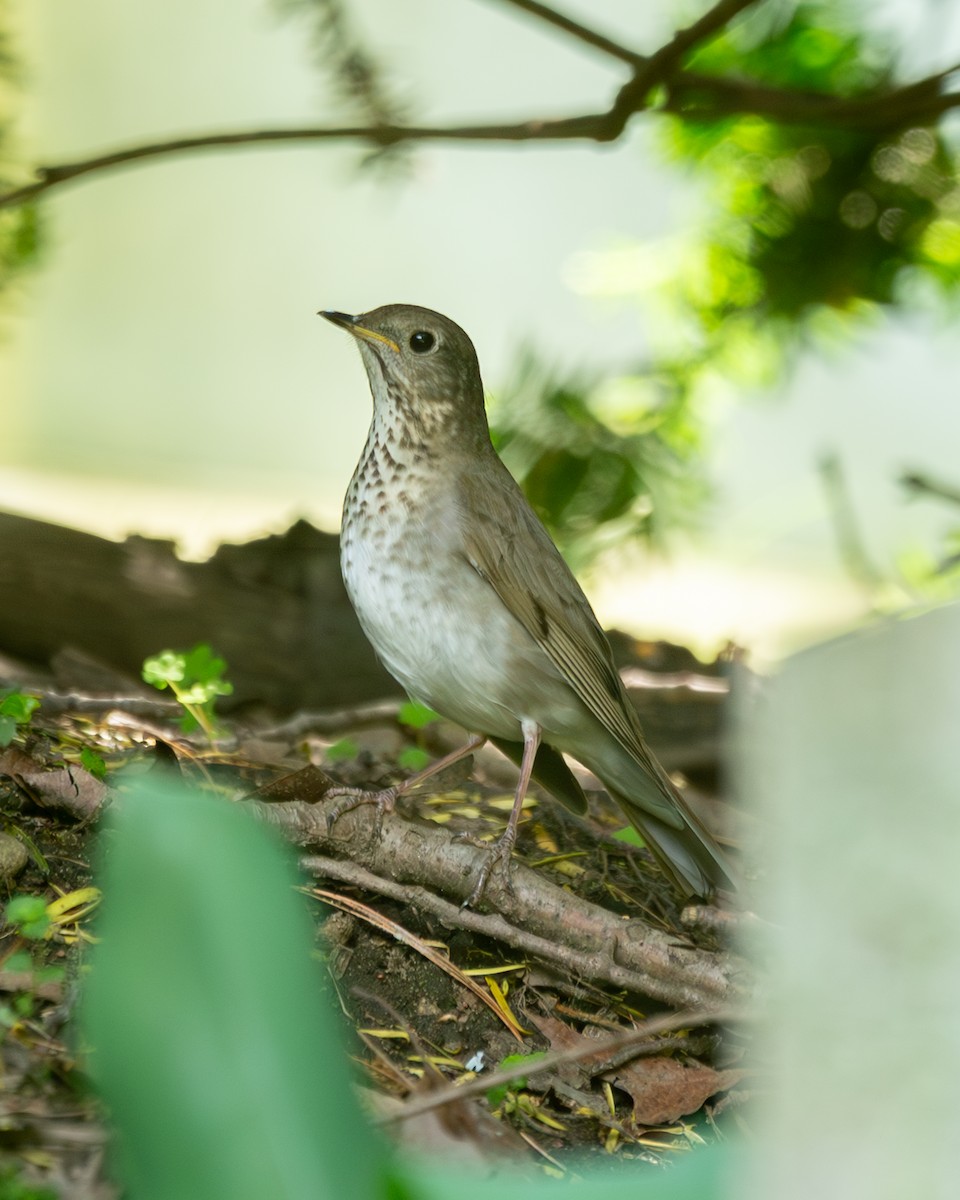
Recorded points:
(508, 546)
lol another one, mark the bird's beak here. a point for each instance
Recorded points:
(353, 325)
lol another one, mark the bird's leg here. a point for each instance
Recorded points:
(386, 798)
(499, 853)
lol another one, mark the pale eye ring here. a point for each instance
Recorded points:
(422, 342)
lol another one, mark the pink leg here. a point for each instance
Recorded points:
(387, 798)
(499, 853)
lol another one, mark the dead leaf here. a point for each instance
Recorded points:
(14, 761)
(563, 1037)
(69, 787)
(663, 1089)
(309, 785)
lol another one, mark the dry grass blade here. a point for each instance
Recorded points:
(372, 917)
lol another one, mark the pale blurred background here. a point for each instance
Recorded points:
(164, 372)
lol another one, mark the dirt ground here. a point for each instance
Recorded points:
(410, 1023)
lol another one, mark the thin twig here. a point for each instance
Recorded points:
(661, 66)
(689, 1019)
(606, 952)
(333, 720)
(846, 528)
(589, 37)
(923, 485)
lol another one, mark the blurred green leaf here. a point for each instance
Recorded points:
(415, 715)
(340, 751)
(29, 915)
(495, 1095)
(164, 668)
(601, 460)
(211, 1037)
(412, 758)
(92, 762)
(18, 706)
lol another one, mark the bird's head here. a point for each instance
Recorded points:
(422, 368)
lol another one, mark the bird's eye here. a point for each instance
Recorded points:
(422, 342)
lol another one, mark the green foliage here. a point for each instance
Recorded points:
(811, 229)
(196, 679)
(29, 916)
(12, 1187)
(20, 228)
(817, 215)
(415, 715)
(496, 1095)
(811, 216)
(600, 461)
(357, 75)
(21, 240)
(16, 709)
(412, 758)
(342, 750)
(91, 761)
(629, 835)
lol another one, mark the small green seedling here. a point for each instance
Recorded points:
(497, 1095)
(342, 750)
(91, 761)
(196, 679)
(29, 916)
(16, 708)
(412, 758)
(415, 715)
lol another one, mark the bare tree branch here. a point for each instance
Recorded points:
(706, 97)
(690, 94)
(420, 865)
(589, 37)
(660, 65)
(376, 135)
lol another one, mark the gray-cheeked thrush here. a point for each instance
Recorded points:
(470, 606)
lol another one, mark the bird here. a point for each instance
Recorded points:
(470, 606)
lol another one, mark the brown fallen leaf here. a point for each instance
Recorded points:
(14, 761)
(563, 1037)
(70, 787)
(309, 784)
(663, 1089)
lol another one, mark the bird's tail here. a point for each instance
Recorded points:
(689, 855)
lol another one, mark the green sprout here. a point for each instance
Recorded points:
(415, 715)
(16, 708)
(93, 762)
(29, 916)
(195, 678)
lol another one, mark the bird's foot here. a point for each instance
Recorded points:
(350, 798)
(496, 858)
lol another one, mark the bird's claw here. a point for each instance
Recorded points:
(497, 858)
(350, 798)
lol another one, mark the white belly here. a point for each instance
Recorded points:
(442, 631)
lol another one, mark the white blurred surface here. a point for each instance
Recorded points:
(852, 758)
